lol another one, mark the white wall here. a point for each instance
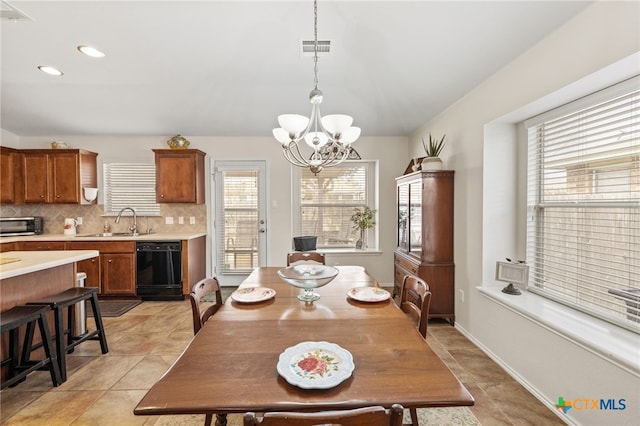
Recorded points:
(481, 134)
(391, 152)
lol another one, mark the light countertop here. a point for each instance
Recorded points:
(160, 236)
(33, 261)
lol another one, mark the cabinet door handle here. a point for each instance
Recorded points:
(161, 195)
(109, 261)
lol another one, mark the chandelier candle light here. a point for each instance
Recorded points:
(330, 137)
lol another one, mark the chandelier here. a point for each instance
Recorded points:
(330, 137)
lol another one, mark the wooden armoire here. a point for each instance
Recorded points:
(425, 237)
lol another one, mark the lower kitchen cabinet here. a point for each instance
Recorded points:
(116, 269)
(40, 245)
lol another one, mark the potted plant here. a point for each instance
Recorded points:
(363, 219)
(433, 148)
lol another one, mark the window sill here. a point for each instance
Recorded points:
(615, 344)
(350, 251)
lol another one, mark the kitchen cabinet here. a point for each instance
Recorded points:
(40, 245)
(9, 174)
(4, 247)
(58, 175)
(116, 269)
(179, 176)
(425, 237)
(194, 262)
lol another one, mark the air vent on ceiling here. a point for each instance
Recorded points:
(9, 12)
(324, 47)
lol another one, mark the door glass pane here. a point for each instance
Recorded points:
(403, 215)
(240, 210)
(415, 217)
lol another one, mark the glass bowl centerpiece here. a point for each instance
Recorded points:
(308, 278)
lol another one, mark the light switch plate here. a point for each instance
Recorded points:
(168, 220)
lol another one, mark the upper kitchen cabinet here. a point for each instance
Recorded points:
(58, 175)
(179, 176)
(9, 174)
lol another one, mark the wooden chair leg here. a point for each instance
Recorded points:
(414, 417)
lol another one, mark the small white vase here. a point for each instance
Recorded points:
(431, 163)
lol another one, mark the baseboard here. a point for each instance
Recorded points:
(514, 374)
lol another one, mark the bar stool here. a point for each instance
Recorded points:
(68, 299)
(11, 321)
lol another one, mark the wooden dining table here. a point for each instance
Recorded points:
(230, 366)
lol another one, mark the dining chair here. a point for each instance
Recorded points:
(367, 416)
(415, 299)
(206, 290)
(305, 256)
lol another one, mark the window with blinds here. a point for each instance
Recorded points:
(328, 200)
(130, 185)
(583, 196)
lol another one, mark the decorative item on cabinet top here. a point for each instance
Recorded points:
(178, 142)
(59, 145)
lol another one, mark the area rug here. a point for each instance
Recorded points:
(113, 308)
(455, 416)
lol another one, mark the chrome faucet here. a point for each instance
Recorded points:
(134, 227)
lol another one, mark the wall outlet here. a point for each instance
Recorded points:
(192, 220)
(461, 295)
(168, 220)
(78, 221)
(181, 220)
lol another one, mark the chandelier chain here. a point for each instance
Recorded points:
(315, 44)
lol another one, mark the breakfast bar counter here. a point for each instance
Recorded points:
(27, 275)
(32, 275)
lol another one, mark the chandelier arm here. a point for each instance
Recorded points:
(287, 155)
(294, 156)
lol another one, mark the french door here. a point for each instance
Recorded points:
(240, 223)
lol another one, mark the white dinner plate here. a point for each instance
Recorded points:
(369, 294)
(315, 365)
(253, 294)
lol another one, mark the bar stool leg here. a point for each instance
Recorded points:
(56, 374)
(97, 316)
(60, 346)
(13, 352)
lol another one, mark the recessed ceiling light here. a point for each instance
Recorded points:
(50, 70)
(91, 51)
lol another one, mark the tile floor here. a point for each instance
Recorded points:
(143, 343)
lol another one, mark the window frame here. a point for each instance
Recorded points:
(371, 197)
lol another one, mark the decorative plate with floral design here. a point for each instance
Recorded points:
(315, 365)
(369, 294)
(252, 294)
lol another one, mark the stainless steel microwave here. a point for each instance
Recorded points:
(11, 226)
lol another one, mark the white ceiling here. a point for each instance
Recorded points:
(229, 68)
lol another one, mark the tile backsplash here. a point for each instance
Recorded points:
(93, 218)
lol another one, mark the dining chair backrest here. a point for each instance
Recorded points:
(415, 300)
(367, 416)
(206, 290)
(305, 256)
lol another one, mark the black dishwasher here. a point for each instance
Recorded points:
(159, 270)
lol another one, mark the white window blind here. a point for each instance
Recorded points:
(328, 200)
(237, 200)
(130, 185)
(583, 232)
